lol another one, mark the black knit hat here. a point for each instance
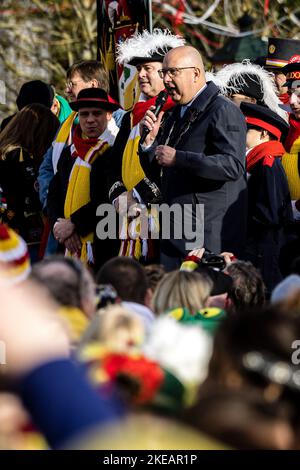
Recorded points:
(94, 98)
(35, 91)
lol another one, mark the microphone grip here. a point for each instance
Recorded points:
(145, 132)
(160, 101)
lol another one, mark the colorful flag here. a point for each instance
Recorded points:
(118, 20)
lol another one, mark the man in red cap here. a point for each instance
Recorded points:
(81, 181)
(269, 202)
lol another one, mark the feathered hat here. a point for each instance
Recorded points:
(250, 80)
(147, 47)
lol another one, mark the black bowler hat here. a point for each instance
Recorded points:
(280, 52)
(94, 98)
(264, 118)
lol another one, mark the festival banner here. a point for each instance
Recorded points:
(118, 20)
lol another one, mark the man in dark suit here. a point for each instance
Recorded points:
(198, 160)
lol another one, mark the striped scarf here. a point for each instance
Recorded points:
(78, 192)
(132, 173)
(63, 137)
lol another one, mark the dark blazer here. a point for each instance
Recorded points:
(210, 143)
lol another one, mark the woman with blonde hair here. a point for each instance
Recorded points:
(182, 289)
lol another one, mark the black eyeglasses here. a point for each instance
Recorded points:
(172, 71)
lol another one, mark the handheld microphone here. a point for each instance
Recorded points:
(159, 104)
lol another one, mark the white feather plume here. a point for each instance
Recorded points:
(234, 73)
(145, 44)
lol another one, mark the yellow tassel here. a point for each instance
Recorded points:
(137, 249)
(127, 248)
(21, 158)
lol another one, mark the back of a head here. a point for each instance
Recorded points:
(127, 276)
(35, 91)
(182, 289)
(89, 70)
(248, 289)
(270, 331)
(67, 281)
(154, 273)
(33, 128)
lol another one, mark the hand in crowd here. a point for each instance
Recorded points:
(152, 123)
(165, 155)
(63, 229)
(228, 256)
(124, 202)
(73, 243)
(198, 252)
(30, 329)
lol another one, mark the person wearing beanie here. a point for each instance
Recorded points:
(269, 202)
(34, 91)
(14, 257)
(249, 82)
(291, 160)
(80, 184)
(145, 51)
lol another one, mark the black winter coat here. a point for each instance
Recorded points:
(210, 142)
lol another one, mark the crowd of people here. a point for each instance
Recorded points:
(130, 327)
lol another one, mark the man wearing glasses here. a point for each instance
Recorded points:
(198, 160)
(144, 51)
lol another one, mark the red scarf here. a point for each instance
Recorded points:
(140, 108)
(267, 152)
(81, 145)
(284, 98)
(293, 134)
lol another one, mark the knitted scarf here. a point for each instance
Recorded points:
(267, 152)
(290, 159)
(85, 152)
